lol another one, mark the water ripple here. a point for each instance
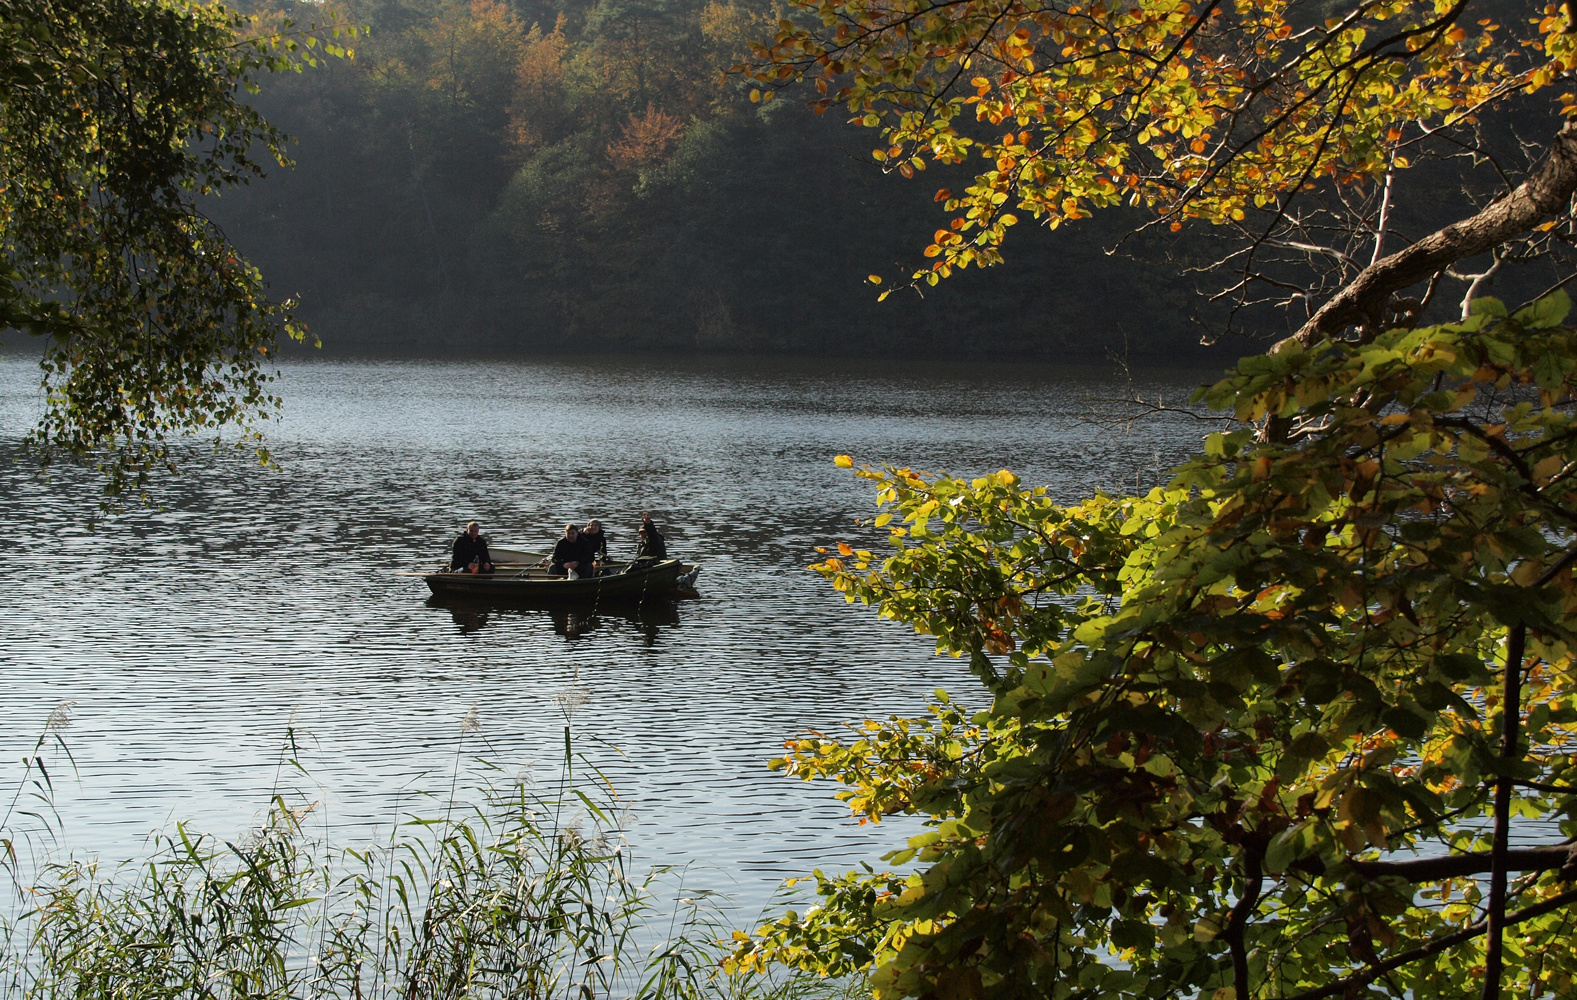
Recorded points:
(256, 607)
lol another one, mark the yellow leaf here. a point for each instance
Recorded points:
(843, 462)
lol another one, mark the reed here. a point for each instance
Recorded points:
(508, 894)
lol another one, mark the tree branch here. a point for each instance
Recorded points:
(1462, 865)
(1468, 933)
(1510, 715)
(1253, 882)
(1362, 300)
(1543, 786)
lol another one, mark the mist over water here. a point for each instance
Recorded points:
(253, 607)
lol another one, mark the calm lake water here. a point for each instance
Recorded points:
(193, 639)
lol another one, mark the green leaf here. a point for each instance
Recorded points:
(1545, 313)
(1309, 746)
(1487, 306)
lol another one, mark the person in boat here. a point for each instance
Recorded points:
(595, 543)
(470, 552)
(569, 555)
(652, 545)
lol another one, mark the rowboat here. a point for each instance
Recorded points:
(619, 581)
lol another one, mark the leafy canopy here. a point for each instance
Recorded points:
(115, 118)
(1209, 110)
(1237, 725)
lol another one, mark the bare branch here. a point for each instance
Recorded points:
(1362, 301)
(1476, 281)
(1385, 211)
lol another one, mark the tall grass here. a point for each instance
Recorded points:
(512, 894)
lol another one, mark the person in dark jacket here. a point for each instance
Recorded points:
(470, 552)
(569, 555)
(652, 545)
(595, 542)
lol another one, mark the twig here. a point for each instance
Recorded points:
(1364, 978)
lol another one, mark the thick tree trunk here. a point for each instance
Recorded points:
(1363, 300)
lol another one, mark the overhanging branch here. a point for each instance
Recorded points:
(1462, 865)
(1362, 301)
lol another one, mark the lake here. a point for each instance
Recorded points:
(195, 639)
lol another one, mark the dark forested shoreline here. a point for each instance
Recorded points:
(555, 176)
(549, 177)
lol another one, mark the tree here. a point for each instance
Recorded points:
(116, 116)
(1264, 732)
(1261, 733)
(1269, 120)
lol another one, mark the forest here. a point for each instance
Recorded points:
(563, 175)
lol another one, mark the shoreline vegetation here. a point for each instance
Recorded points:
(506, 889)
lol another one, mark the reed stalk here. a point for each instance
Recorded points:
(509, 894)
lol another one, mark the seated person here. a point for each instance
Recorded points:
(595, 543)
(470, 552)
(569, 555)
(652, 545)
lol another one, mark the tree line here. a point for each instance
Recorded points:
(522, 175)
(563, 175)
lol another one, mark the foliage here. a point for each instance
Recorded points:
(518, 896)
(114, 119)
(1196, 110)
(1225, 715)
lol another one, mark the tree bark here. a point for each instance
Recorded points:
(1253, 883)
(1510, 723)
(1362, 301)
(1537, 859)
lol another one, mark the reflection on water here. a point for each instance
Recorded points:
(572, 621)
(256, 605)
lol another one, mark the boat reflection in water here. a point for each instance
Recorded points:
(644, 593)
(570, 619)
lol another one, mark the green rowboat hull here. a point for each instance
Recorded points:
(660, 581)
